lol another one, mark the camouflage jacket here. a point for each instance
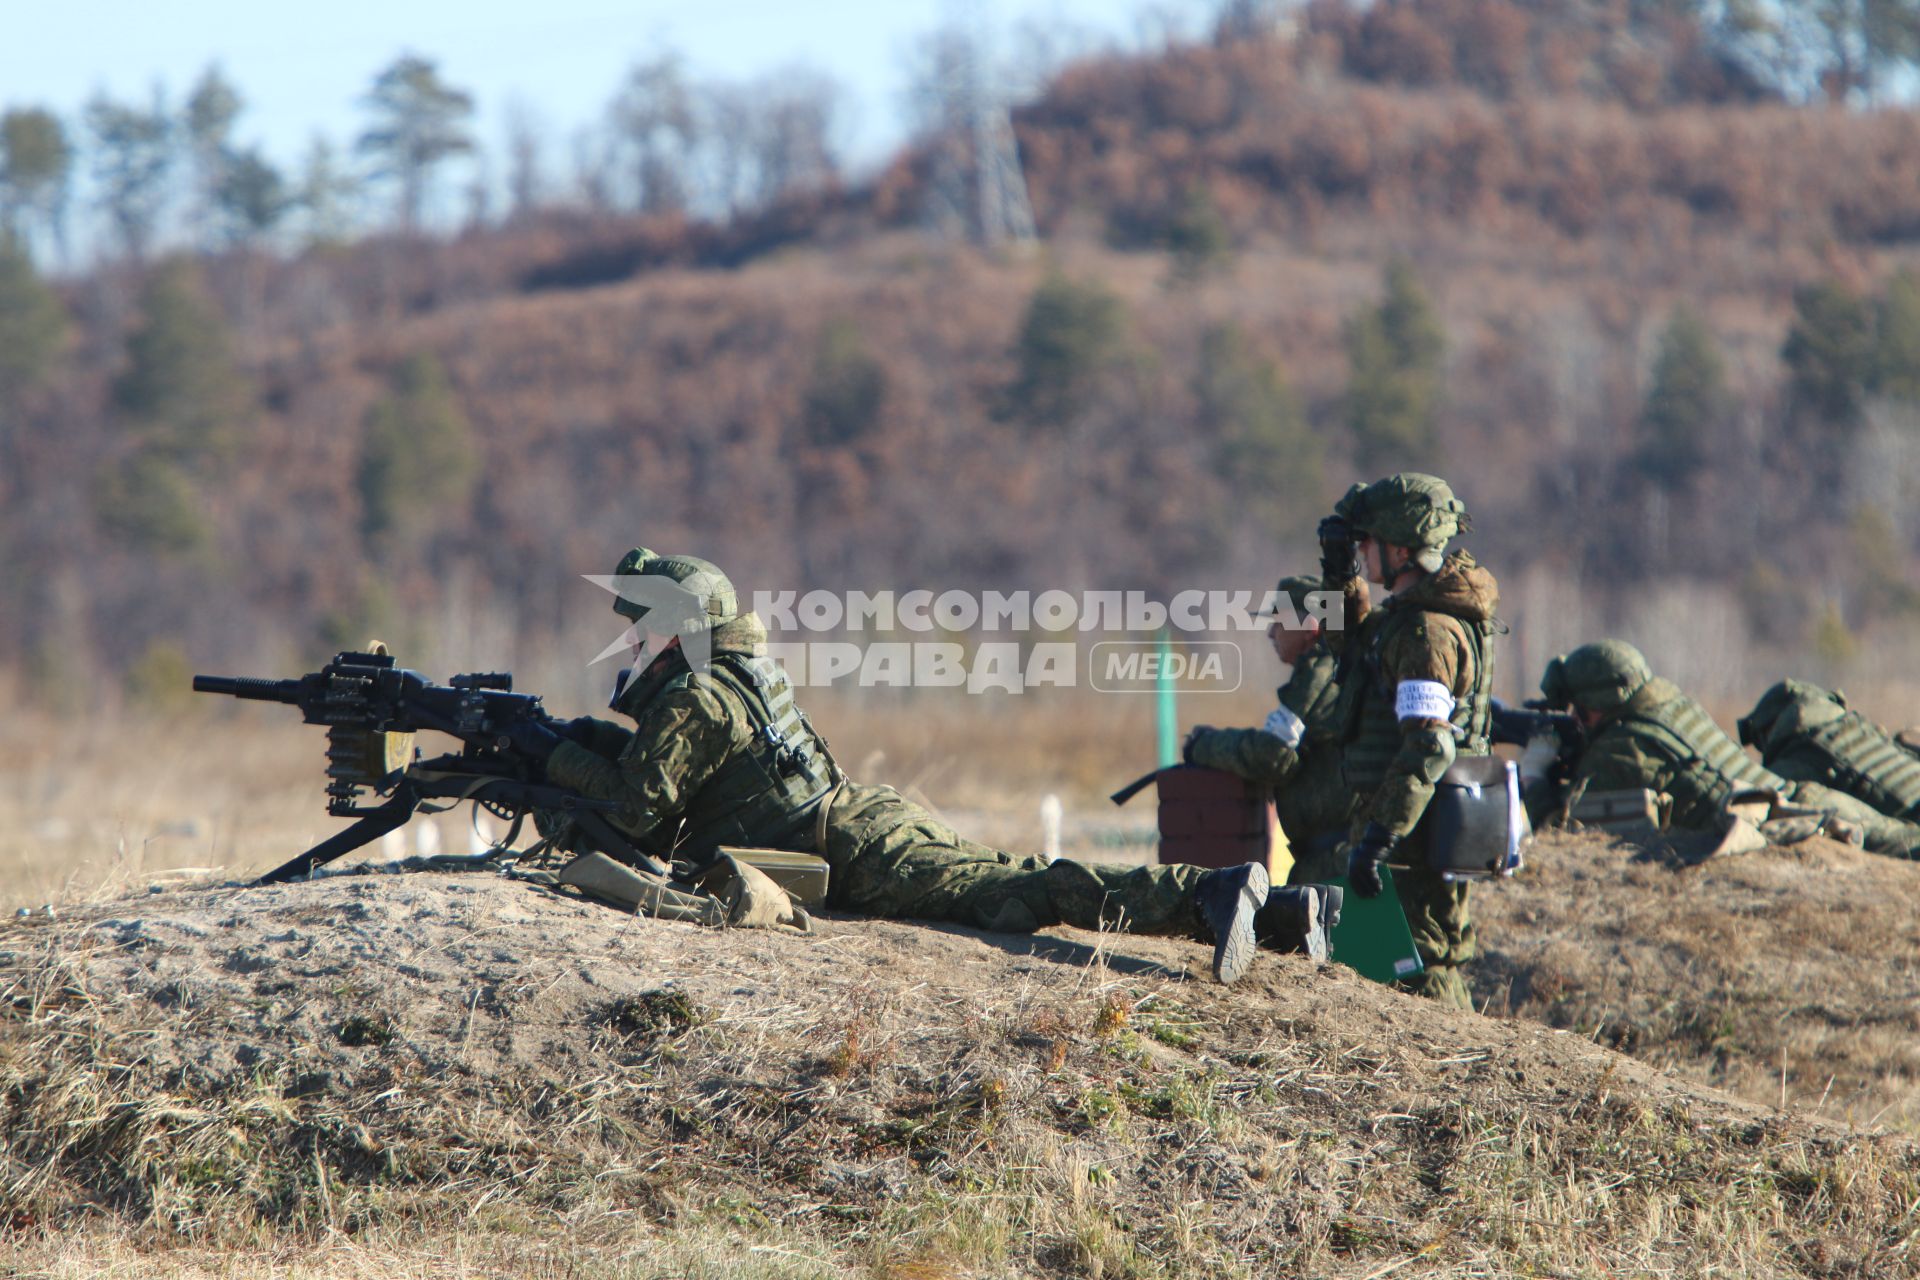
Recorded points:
(1308, 793)
(1663, 740)
(1806, 734)
(1439, 631)
(722, 757)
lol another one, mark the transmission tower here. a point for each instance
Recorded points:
(978, 185)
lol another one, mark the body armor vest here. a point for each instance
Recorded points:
(766, 793)
(1708, 765)
(1370, 732)
(1853, 755)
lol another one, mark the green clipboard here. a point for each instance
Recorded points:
(1373, 938)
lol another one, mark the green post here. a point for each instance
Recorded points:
(1169, 706)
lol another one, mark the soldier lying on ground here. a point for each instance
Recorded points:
(1806, 734)
(725, 757)
(1642, 731)
(1296, 753)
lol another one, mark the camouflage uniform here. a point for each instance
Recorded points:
(1806, 734)
(1436, 631)
(1652, 735)
(726, 757)
(1309, 795)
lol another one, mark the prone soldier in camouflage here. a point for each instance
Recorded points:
(1806, 733)
(1416, 680)
(725, 757)
(1642, 731)
(1296, 753)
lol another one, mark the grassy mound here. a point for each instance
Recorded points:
(443, 1075)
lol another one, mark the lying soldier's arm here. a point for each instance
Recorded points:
(682, 738)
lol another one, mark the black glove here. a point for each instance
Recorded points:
(1339, 558)
(534, 739)
(1376, 843)
(579, 729)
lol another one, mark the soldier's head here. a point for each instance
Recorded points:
(1404, 523)
(1294, 630)
(1596, 679)
(672, 598)
(1792, 707)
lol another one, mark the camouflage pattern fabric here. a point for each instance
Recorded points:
(1312, 800)
(1438, 629)
(888, 856)
(1806, 734)
(1663, 740)
(892, 858)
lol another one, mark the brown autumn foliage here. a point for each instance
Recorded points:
(646, 379)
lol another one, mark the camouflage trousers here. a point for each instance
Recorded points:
(1893, 837)
(1442, 932)
(891, 858)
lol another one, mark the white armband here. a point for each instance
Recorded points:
(1422, 700)
(1286, 726)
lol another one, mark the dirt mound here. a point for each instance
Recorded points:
(395, 1059)
(1790, 976)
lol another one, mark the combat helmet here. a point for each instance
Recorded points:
(692, 594)
(1600, 676)
(1793, 706)
(1408, 509)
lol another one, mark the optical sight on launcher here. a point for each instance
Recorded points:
(372, 709)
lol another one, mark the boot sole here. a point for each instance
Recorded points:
(1233, 953)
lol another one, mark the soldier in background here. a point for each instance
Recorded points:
(725, 757)
(1296, 753)
(1416, 680)
(1805, 733)
(1642, 731)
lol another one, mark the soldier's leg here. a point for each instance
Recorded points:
(1885, 835)
(1442, 925)
(892, 858)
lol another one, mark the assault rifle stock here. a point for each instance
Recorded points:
(372, 708)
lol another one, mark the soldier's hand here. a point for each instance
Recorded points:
(534, 740)
(579, 729)
(1193, 737)
(1363, 861)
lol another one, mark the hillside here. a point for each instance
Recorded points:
(425, 437)
(463, 1076)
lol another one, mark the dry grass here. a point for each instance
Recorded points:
(1313, 1124)
(361, 1078)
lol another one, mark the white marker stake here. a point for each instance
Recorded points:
(426, 839)
(393, 845)
(1051, 812)
(479, 835)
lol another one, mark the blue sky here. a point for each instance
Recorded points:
(302, 68)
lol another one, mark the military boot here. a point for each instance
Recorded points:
(1226, 902)
(1300, 919)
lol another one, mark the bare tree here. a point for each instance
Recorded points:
(796, 136)
(656, 127)
(526, 159)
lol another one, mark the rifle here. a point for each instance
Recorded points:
(1517, 726)
(372, 709)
